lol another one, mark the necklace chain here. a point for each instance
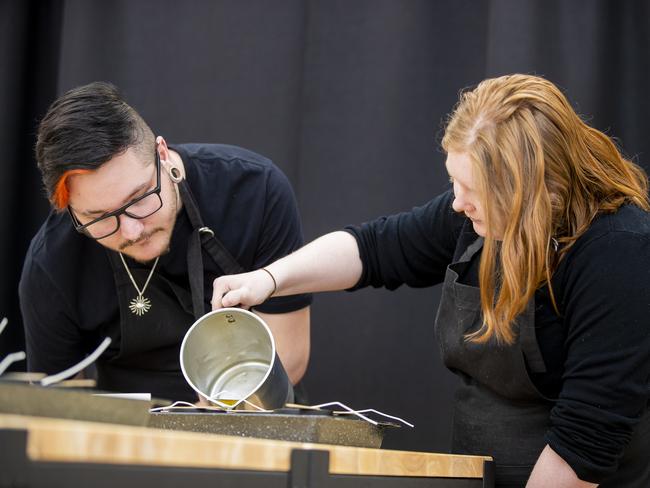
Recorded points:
(139, 305)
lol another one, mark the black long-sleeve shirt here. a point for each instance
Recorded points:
(596, 351)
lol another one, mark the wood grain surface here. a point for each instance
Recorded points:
(76, 441)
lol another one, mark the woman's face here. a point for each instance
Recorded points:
(466, 194)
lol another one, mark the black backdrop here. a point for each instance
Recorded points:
(347, 97)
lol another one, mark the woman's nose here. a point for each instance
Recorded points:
(460, 201)
(462, 204)
(457, 205)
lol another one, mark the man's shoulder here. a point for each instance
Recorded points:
(55, 247)
(214, 154)
(244, 197)
(227, 169)
(225, 173)
(52, 237)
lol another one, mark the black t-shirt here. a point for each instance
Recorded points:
(68, 292)
(597, 352)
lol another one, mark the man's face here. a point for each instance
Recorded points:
(116, 183)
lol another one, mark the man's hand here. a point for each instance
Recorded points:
(244, 290)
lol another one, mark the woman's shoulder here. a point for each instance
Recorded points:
(628, 224)
(618, 242)
(628, 218)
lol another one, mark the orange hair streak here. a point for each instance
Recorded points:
(61, 195)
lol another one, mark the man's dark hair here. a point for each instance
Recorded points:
(85, 128)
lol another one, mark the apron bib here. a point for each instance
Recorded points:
(147, 359)
(498, 411)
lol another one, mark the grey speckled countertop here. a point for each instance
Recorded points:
(297, 427)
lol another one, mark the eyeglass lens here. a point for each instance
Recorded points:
(138, 210)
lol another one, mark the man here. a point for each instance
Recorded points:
(139, 232)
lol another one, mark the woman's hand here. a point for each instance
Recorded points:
(244, 290)
(552, 470)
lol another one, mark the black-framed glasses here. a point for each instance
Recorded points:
(138, 208)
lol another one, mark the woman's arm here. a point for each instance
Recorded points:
(604, 288)
(329, 263)
(412, 248)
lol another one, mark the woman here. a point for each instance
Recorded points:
(544, 250)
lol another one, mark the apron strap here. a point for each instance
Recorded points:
(202, 237)
(472, 249)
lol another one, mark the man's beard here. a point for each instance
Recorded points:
(147, 235)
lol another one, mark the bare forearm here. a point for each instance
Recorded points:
(328, 263)
(552, 470)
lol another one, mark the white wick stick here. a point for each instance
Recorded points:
(10, 359)
(126, 396)
(73, 370)
(3, 324)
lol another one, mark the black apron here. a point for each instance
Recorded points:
(144, 355)
(498, 411)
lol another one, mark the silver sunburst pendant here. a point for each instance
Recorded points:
(140, 305)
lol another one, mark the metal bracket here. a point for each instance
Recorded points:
(488, 474)
(309, 469)
(13, 461)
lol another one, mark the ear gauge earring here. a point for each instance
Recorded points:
(173, 171)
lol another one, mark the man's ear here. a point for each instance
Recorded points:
(174, 171)
(161, 147)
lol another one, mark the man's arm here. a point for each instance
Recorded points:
(291, 333)
(551, 470)
(53, 340)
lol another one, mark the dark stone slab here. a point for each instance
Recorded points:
(279, 425)
(70, 403)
